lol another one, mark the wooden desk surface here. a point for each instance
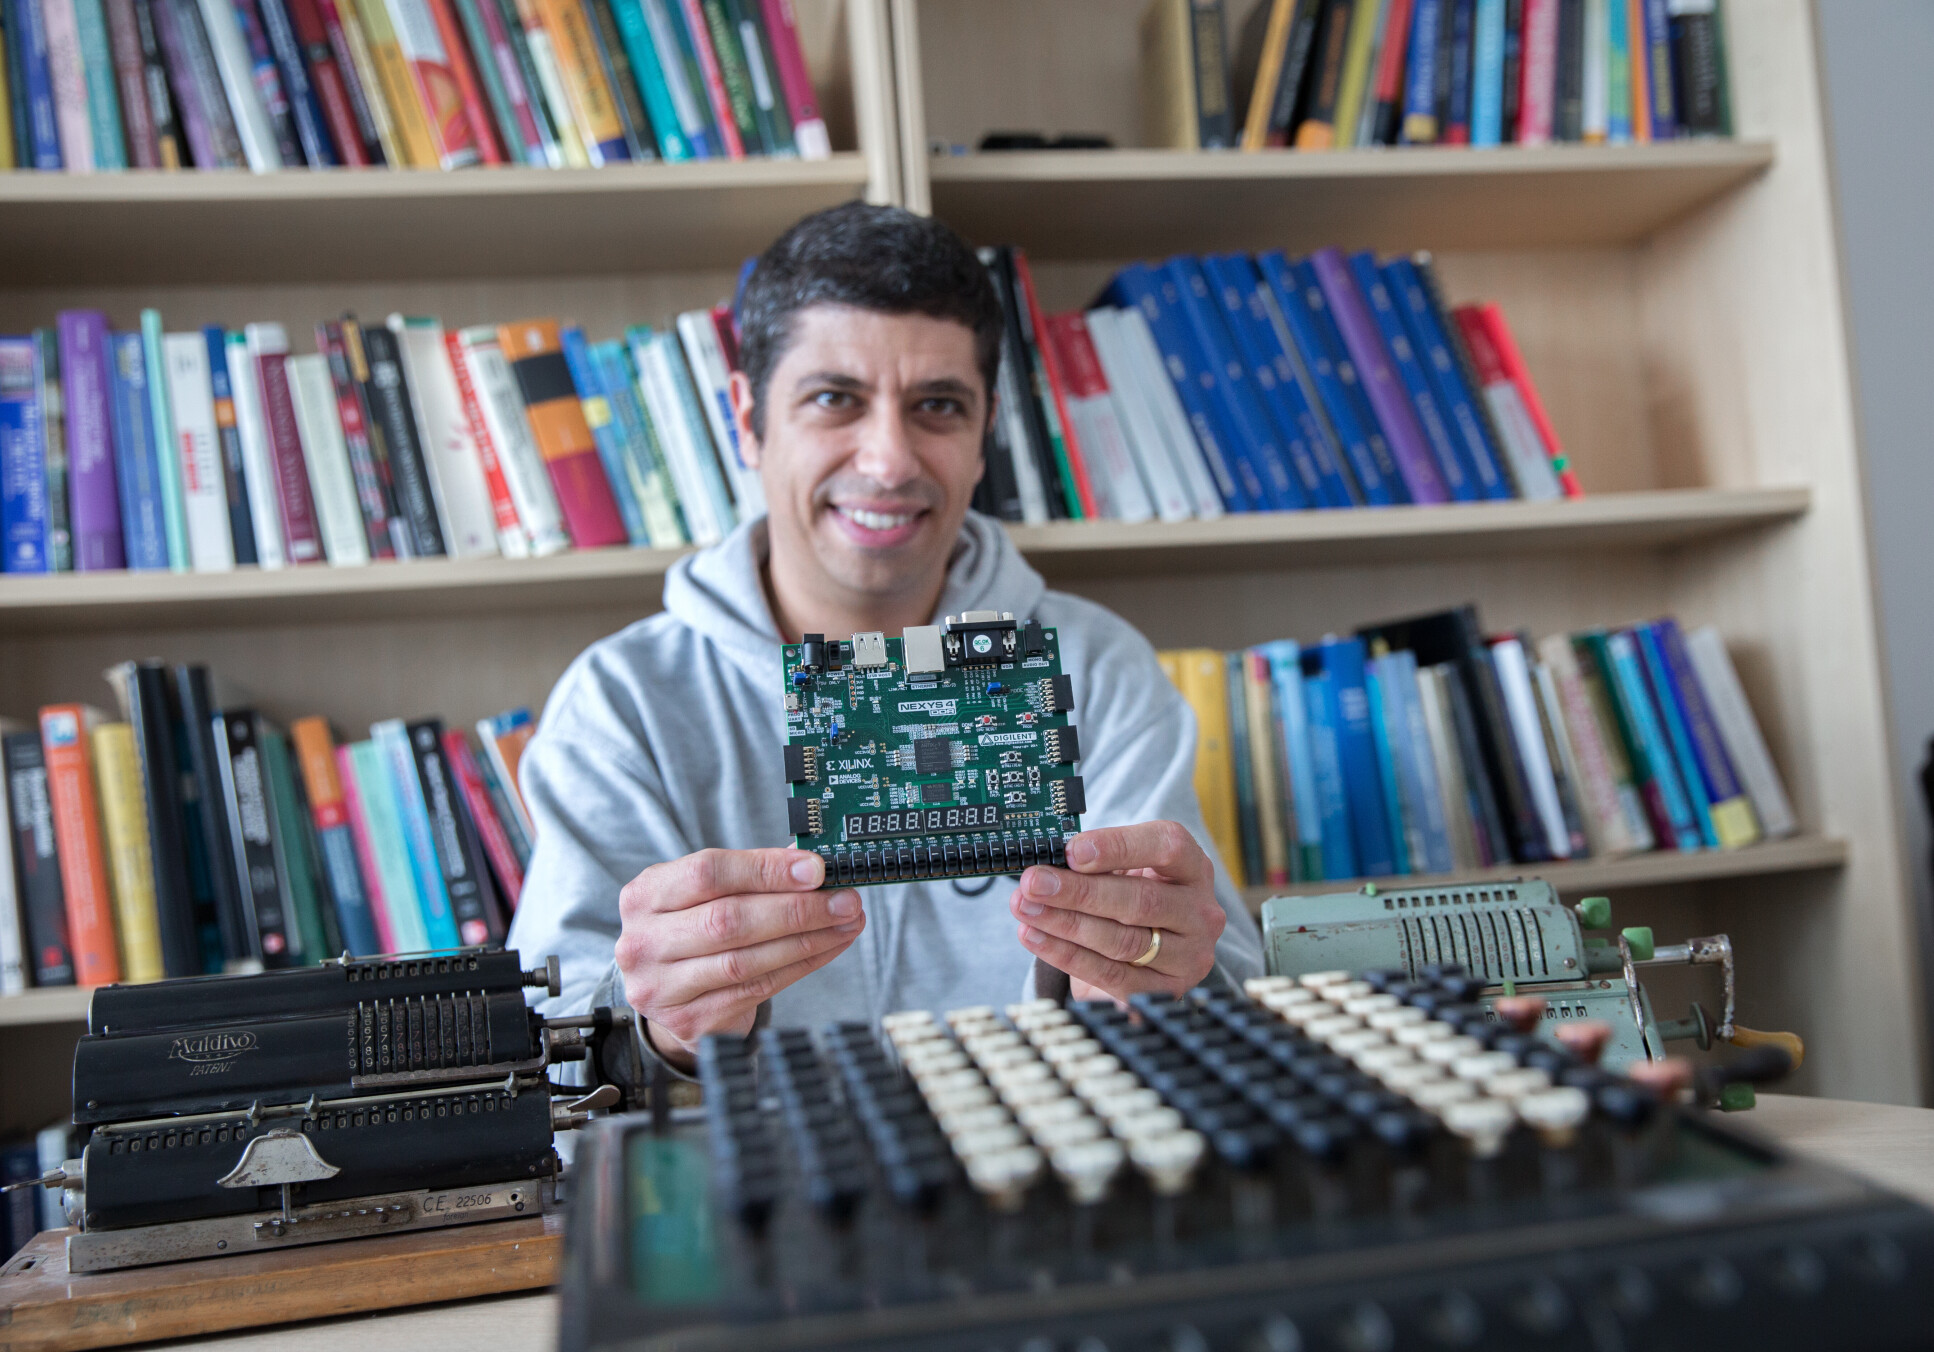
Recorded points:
(1890, 1145)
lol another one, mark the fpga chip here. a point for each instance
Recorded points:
(946, 753)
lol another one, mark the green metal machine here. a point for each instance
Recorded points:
(1520, 939)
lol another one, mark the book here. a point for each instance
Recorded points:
(271, 935)
(198, 452)
(16, 950)
(1185, 76)
(1406, 842)
(644, 449)
(54, 462)
(258, 456)
(23, 478)
(413, 143)
(1412, 285)
(1563, 757)
(235, 67)
(1662, 107)
(502, 75)
(1204, 684)
(1526, 731)
(614, 60)
(124, 832)
(556, 419)
(1271, 807)
(663, 119)
(456, 480)
(137, 469)
(459, 853)
(419, 42)
(167, 441)
(36, 858)
(1487, 73)
(588, 94)
(315, 934)
(549, 84)
(1462, 18)
(357, 828)
(1524, 455)
(1366, 26)
(363, 82)
(333, 80)
(339, 519)
(376, 362)
(506, 866)
(711, 376)
(1609, 800)
(509, 434)
(305, 106)
(149, 703)
(1653, 770)
(1115, 477)
(513, 541)
(87, 397)
(507, 808)
(268, 82)
(503, 738)
(268, 350)
(399, 762)
(209, 825)
(142, 146)
(1155, 427)
(734, 76)
(1326, 759)
(672, 406)
(207, 126)
(1290, 706)
(1537, 111)
(27, 36)
(1453, 792)
(464, 68)
(1728, 806)
(809, 133)
(1568, 100)
(624, 474)
(1506, 347)
(1272, 56)
(683, 82)
(1383, 107)
(76, 813)
(1447, 454)
(1420, 106)
(1417, 762)
(67, 78)
(384, 532)
(1343, 661)
(392, 877)
(1740, 733)
(1317, 130)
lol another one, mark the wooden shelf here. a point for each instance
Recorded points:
(57, 1004)
(73, 602)
(1116, 204)
(1796, 854)
(154, 229)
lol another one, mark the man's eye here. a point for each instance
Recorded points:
(945, 407)
(833, 399)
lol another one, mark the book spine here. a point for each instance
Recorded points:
(512, 539)
(131, 81)
(1348, 382)
(457, 850)
(23, 459)
(1204, 685)
(1023, 427)
(1292, 712)
(1063, 468)
(680, 397)
(542, 50)
(1662, 98)
(53, 431)
(1678, 742)
(1537, 114)
(503, 738)
(1564, 760)
(1248, 826)
(795, 80)
(205, 817)
(305, 108)
(1332, 790)
(689, 102)
(413, 142)
(453, 141)
(392, 405)
(174, 509)
(241, 94)
(241, 525)
(644, 447)
(28, 35)
(245, 797)
(1517, 436)
(268, 81)
(470, 86)
(268, 346)
(1520, 376)
(1149, 376)
(711, 78)
(1420, 91)
(369, 473)
(1118, 482)
(1318, 128)
(641, 51)
(590, 102)
(355, 820)
(332, 487)
(1290, 96)
(399, 758)
(315, 932)
(449, 456)
(614, 63)
(1462, 17)
(517, 454)
(1740, 732)
(204, 490)
(77, 839)
(16, 949)
(329, 82)
(374, 129)
(556, 418)
(36, 856)
(1448, 451)
(1343, 662)
(1419, 764)
(1618, 73)
(150, 706)
(495, 840)
(1523, 726)
(1487, 83)
(1313, 473)
(383, 824)
(1568, 99)
(1269, 74)
(1379, 379)
(1473, 749)
(1452, 794)
(97, 71)
(726, 48)
(1385, 120)
(1598, 788)
(1076, 471)
(16, 145)
(322, 785)
(1634, 15)
(1513, 75)
(1450, 364)
(506, 808)
(706, 378)
(1658, 779)
(510, 117)
(1406, 844)
(1365, 29)
(206, 123)
(87, 395)
(144, 534)
(251, 424)
(124, 826)
(619, 471)
(1142, 421)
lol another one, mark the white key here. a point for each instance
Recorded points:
(1019, 1072)
(1058, 1033)
(947, 1080)
(1422, 1032)
(987, 1140)
(972, 1014)
(1152, 1122)
(1258, 986)
(1067, 1053)
(1343, 991)
(906, 1018)
(1376, 1059)
(1287, 998)
(1516, 1084)
(1167, 1160)
(1075, 1130)
(1087, 1167)
(959, 1100)
(1001, 1058)
(1439, 1095)
(1555, 1114)
(1004, 1174)
(1357, 1040)
(1032, 1091)
(1410, 1077)
(1113, 1107)
(978, 1044)
(1481, 1066)
(1092, 1067)
(1445, 1051)
(1403, 1016)
(1318, 980)
(1037, 1115)
(1042, 1005)
(1332, 1027)
(938, 1054)
(1483, 1123)
(1366, 1005)
(964, 1122)
(916, 1034)
(1100, 1086)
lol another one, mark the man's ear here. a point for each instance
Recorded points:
(741, 391)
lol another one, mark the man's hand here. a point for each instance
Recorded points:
(1095, 917)
(706, 939)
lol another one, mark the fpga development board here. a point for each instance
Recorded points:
(946, 753)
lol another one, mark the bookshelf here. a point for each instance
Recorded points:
(1679, 305)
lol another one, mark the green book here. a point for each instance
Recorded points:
(738, 80)
(103, 100)
(1356, 69)
(53, 412)
(320, 936)
(635, 33)
(174, 512)
(496, 93)
(768, 101)
(382, 823)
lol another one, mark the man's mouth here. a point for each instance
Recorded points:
(875, 521)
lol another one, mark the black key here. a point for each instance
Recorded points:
(1381, 979)
(1210, 1094)
(1553, 1061)
(1012, 848)
(1463, 988)
(1325, 1138)
(1247, 1146)
(1438, 971)
(1518, 1045)
(1405, 1131)
(1168, 1082)
(1367, 1104)
(1626, 1104)
(1028, 855)
(1340, 1084)
(1226, 1117)
(1290, 1113)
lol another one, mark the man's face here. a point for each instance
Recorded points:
(872, 447)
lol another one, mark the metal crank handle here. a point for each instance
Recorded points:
(1789, 1043)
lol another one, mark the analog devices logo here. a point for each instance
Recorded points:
(208, 1047)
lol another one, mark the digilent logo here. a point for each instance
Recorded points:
(211, 1046)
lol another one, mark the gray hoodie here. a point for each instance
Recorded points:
(664, 739)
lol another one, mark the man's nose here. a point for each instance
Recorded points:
(886, 449)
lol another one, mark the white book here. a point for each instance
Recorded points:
(1610, 811)
(326, 453)
(713, 383)
(1546, 688)
(13, 938)
(1184, 451)
(530, 486)
(258, 469)
(1140, 422)
(1596, 93)
(1523, 446)
(1027, 473)
(1520, 706)
(198, 451)
(237, 73)
(457, 486)
(1449, 764)
(422, 47)
(659, 366)
(1739, 730)
(53, 1145)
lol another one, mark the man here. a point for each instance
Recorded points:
(870, 343)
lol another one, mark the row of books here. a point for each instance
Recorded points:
(1331, 74)
(205, 449)
(192, 835)
(1425, 746)
(1238, 383)
(419, 84)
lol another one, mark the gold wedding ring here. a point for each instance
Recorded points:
(1154, 949)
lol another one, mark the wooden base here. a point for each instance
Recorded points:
(43, 1308)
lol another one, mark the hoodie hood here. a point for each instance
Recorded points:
(720, 595)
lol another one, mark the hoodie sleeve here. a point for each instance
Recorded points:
(1138, 764)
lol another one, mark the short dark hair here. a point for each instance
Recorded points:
(873, 258)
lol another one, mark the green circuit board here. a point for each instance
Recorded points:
(945, 753)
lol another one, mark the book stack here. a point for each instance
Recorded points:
(1243, 383)
(1426, 746)
(209, 449)
(191, 834)
(413, 84)
(1331, 74)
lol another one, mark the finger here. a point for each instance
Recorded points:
(1128, 900)
(705, 874)
(1166, 847)
(1115, 941)
(718, 1009)
(1084, 964)
(682, 982)
(725, 923)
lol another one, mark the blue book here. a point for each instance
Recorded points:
(23, 457)
(1299, 391)
(1251, 438)
(1420, 78)
(1233, 281)
(1642, 719)
(137, 467)
(103, 96)
(1387, 776)
(1734, 822)
(344, 877)
(1242, 756)
(1324, 320)
(1326, 760)
(1459, 478)
(1137, 287)
(1342, 660)
(1325, 390)
(26, 31)
(413, 815)
(611, 450)
(1457, 117)
(1285, 660)
(1417, 763)
(1677, 738)
(241, 522)
(311, 128)
(1487, 74)
(1459, 402)
(17, 107)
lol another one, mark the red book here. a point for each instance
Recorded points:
(131, 78)
(77, 839)
(708, 65)
(503, 510)
(359, 97)
(1057, 385)
(556, 414)
(1520, 376)
(802, 102)
(503, 859)
(331, 91)
(474, 107)
(1387, 88)
(508, 69)
(727, 329)
(352, 803)
(1539, 73)
(268, 348)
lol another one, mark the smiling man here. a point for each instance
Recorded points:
(870, 339)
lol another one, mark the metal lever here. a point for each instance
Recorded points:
(572, 1115)
(278, 1158)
